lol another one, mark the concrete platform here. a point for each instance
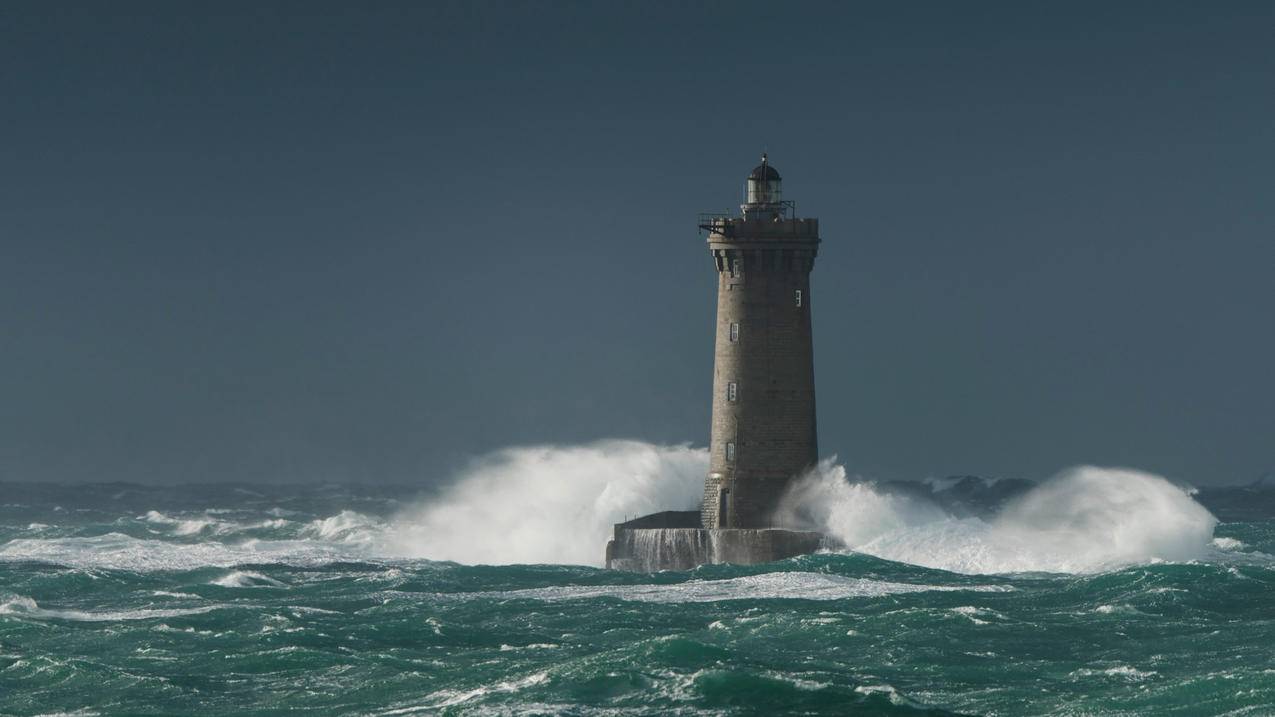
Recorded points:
(674, 541)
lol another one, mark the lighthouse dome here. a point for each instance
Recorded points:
(762, 189)
(764, 172)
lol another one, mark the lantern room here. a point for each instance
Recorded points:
(763, 198)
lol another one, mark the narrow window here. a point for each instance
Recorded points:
(734, 333)
(732, 391)
(730, 451)
(798, 297)
(734, 268)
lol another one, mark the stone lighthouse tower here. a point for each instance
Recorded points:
(763, 430)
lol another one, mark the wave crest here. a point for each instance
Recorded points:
(21, 606)
(549, 504)
(1083, 520)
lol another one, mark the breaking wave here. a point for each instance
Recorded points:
(557, 505)
(537, 504)
(1083, 520)
(547, 504)
(179, 527)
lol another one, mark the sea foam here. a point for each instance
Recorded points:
(557, 504)
(1083, 520)
(552, 504)
(767, 586)
(22, 606)
(116, 551)
(548, 504)
(246, 579)
(180, 526)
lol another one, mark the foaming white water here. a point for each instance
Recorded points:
(557, 504)
(116, 551)
(346, 527)
(1228, 544)
(767, 586)
(185, 526)
(21, 606)
(1083, 520)
(451, 698)
(853, 513)
(180, 527)
(246, 579)
(547, 504)
(536, 504)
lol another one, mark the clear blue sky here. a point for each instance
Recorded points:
(366, 241)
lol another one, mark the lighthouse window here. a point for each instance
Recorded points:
(798, 297)
(734, 333)
(730, 450)
(732, 391)
(734, 269)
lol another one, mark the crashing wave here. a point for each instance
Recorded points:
(547, 504)
(1083, 520)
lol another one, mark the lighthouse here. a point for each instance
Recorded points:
(763, 428)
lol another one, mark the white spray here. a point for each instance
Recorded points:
(1085, 519)
(852, 512)
(557, 505)
(546, 504)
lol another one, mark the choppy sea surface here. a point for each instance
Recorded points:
(116, 599)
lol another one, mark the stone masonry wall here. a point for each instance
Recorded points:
(771, 421)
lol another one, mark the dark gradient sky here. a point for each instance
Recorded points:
(366, 241)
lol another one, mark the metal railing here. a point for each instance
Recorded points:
(714, 222)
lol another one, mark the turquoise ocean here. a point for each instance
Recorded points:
(232, 599)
